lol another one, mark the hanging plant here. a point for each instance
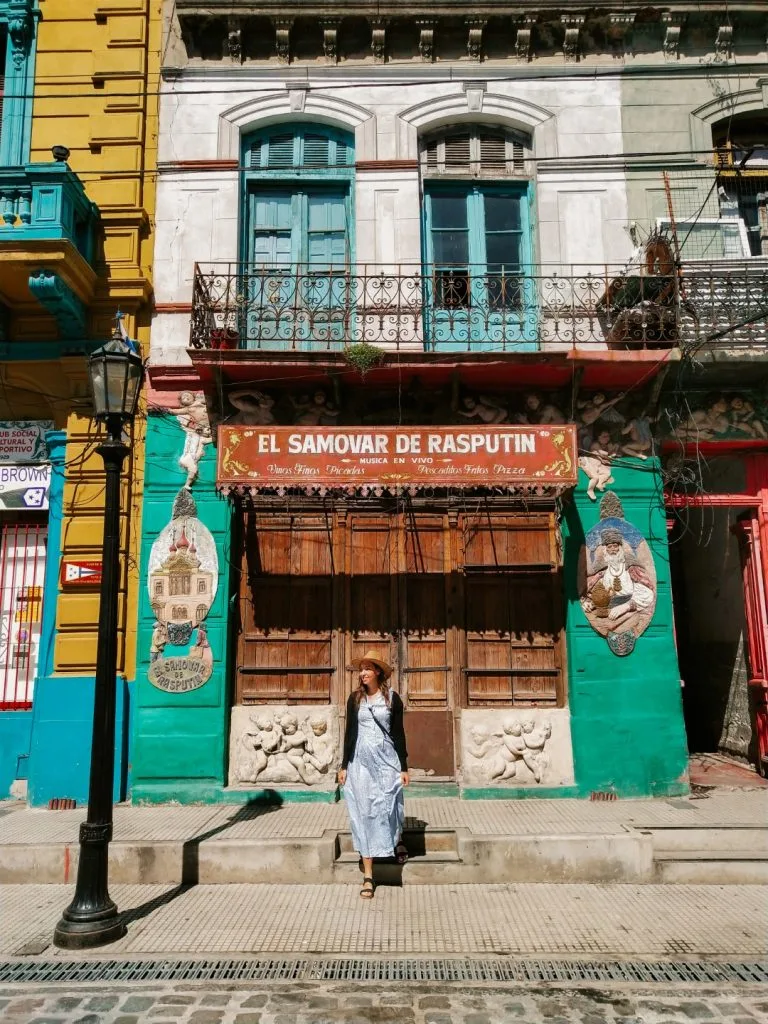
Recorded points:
(363, 356)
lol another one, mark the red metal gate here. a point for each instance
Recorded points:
(756, 607)
(22, 576)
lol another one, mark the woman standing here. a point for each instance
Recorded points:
(374, 767)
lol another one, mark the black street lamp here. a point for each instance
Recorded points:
(91, 919)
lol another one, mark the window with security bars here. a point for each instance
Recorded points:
(301, 147)
(22, 579)
(477, 151)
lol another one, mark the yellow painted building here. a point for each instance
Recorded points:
(78, 144)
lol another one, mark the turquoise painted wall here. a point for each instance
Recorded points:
(15, 732)
(626, 712)
(60, 753)
(62, 711)
(180, 739)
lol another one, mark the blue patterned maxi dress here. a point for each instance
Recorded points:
(373, 791)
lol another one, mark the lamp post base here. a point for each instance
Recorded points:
(88, 934)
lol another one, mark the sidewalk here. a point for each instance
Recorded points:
(718, 837)
(657, 922)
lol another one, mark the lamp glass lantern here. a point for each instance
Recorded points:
(115, 371)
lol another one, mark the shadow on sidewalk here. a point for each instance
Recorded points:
(387, 870)
(265, 803)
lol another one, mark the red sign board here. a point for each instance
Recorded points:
(307, 457)
(80, 574)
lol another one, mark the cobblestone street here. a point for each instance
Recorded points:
(367, 1003)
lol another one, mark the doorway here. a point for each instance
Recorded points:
(710, 620)
(466, 606)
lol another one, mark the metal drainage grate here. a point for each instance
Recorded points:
(355, 969)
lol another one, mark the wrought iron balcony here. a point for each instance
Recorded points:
(48, 240)
(264, 308)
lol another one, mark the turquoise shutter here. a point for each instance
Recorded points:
(273, 224)
(326, 232)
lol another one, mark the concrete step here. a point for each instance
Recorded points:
(417, 841)
(747, 840)
(438, 856)
(711, 871)
(442, 867)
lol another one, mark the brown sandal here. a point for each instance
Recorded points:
(367, 893)
(401, 853)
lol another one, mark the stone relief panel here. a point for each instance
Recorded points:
(528, 747)
(617, 578)
(718, 416)
(297, 745)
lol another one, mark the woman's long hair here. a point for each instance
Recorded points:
(361, 691)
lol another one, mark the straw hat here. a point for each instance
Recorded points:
(373, 657)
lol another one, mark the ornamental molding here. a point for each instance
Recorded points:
(295, 104)
(59, 299)
(742, 102)
(509, 111)
(20, 15)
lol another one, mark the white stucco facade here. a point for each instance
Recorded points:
(580, 212)
(590, 185)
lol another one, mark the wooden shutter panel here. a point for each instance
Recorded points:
(426, 544)
(315, 151)
(518, 155)
(430, 151)
(513, 609)
(493, 542)
(457, 150)
(286, 621)
(280, 151)
(254, 155)
(493, 151)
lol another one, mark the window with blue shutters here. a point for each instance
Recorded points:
(478, 239)
(297, 233)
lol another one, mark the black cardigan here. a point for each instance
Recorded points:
(396, 730)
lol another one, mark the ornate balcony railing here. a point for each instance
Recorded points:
(264, 308)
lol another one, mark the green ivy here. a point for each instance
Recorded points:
(363, 356)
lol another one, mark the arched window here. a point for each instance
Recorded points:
(477, 150)
(298, 196)
(288, 147)
(477, 231)
(298, 236)
(200, 612)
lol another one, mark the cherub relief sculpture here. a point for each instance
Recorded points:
(536, 411)
(744, 418)
(192, 415)
(638, 430)
(596, 463)
(516, 751)
(482, 410)
(316, 411)
(717, 417)
(273, 747)
(254, 408)
(596, 414)
(320, 749)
